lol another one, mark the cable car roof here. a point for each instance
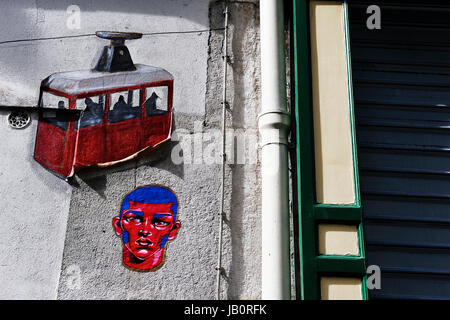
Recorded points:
(81, 82)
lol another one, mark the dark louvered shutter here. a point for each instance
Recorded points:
(401, 78)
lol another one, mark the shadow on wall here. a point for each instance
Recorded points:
(241, 249)
(245, 218)
(95, 178)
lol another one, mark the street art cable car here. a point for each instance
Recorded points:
(103, 116)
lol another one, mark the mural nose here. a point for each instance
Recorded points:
(145, 231)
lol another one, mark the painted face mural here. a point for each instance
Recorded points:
(147, 221)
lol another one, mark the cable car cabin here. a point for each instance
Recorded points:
(98, 117)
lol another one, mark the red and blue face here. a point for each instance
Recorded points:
(148, 219)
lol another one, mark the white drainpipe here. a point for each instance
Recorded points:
(273, 124)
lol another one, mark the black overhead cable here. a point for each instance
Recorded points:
(47, 38)
(93, 34)
(188, 31)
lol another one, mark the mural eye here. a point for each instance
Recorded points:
(160, 223)
(134, 219)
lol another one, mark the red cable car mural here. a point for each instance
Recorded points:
(103, 116)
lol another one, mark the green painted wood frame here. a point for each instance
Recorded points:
(313, 265)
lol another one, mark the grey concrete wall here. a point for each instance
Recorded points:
(33, 215)
(95, 251)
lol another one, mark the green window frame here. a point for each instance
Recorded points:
(312, 264)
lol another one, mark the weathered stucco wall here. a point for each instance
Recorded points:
(70, 250)
(95, 251)
(35, 205)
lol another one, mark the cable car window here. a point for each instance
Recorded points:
(59, 117)
(124, 106)
(157, 100)
(93, 111)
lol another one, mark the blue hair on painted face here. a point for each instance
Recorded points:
(154, 195)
